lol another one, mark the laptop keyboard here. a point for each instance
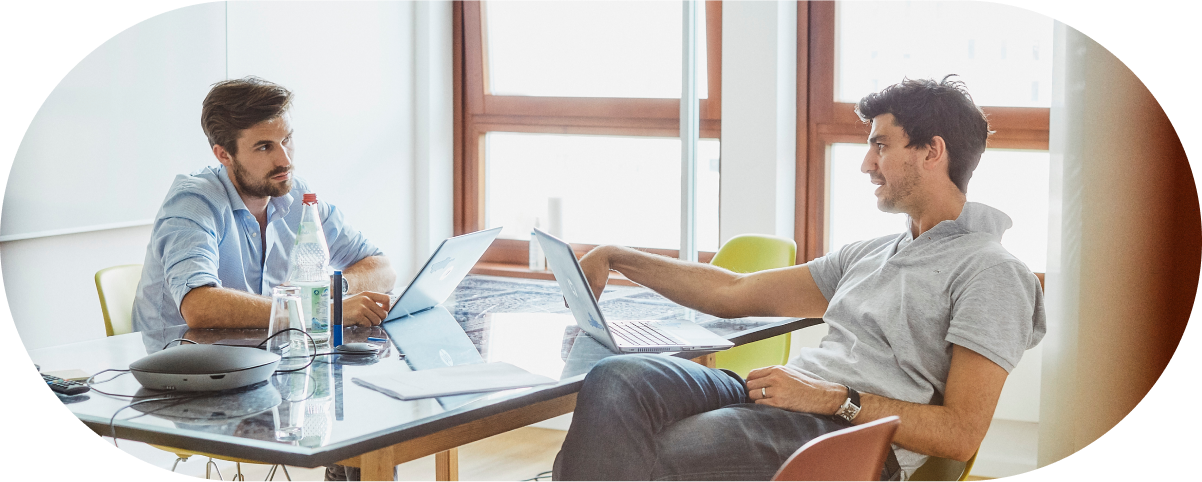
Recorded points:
(641, 333)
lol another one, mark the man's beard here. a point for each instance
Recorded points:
(265, 187)
(899, 189)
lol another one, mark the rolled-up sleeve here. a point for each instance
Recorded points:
(186, 243)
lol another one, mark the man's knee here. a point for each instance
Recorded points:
(618, 374)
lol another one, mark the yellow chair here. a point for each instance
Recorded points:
(117, 286)
(939, 468)
(746, 254)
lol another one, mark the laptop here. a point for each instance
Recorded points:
(442, 273)
(626, 336)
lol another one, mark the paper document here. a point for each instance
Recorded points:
(454, 380)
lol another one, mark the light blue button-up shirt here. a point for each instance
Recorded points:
(205, 236)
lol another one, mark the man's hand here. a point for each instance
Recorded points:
(367, 308)
(595, 265)
(788, 388)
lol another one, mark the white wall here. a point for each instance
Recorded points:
(126, 115)
(759, 118)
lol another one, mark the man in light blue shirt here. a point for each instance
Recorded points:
(223, 236)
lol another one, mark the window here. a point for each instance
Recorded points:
(855, 48)
(573, 107)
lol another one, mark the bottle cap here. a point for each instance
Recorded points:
(310, 198)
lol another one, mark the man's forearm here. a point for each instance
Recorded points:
(695, 285)
(373, 273)
(212, 307)
(928, 429)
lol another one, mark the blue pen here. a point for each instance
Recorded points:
(336, 311)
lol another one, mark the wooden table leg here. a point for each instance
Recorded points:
(707, 360)
(446, 465)
(377, 465)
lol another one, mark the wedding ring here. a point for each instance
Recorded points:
(763, 392)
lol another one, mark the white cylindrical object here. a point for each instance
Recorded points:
(538, 261)
(555, 217)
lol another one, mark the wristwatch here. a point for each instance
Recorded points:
(851, 406)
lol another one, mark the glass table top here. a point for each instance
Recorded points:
(319, 415)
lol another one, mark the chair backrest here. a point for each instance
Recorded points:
(854, 453)
(748, 253)
(939, 468)
(116, 287)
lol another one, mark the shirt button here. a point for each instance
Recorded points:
(254, 235)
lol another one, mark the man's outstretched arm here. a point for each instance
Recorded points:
(787, 291)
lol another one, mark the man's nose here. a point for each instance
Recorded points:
(284, 157)
(869, 163)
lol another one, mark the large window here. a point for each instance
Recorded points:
(855, 48)
(571, 108)
(568, 117)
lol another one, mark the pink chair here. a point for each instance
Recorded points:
(854, 453)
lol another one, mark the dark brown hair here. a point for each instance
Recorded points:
(237, 104)
(925, 109)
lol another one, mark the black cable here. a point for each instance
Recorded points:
(179, 339)
(541, 476)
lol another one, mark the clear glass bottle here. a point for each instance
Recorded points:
(309, 268)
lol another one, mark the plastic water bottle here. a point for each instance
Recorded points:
(309, 269)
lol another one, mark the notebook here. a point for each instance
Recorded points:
(625, 336)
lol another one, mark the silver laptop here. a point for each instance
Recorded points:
(625, 336)
(442, 273)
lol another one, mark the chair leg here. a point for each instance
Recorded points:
(212, 465)
(274, 468)
(176, 464)
(238, 475)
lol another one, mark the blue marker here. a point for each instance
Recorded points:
(336, 310)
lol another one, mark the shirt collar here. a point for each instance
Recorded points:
(979, 218)
(230, 191)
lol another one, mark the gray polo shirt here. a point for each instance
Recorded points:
(898, 304)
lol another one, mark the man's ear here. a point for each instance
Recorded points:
(936, 153)
(223, 156)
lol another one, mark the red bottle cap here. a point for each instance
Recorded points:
(310, 198)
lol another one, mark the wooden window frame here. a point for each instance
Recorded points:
(821, 121)
(478, 112)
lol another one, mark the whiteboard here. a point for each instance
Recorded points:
(104, 147)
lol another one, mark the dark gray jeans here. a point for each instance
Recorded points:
(657, 417)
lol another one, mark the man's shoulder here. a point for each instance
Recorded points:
(200, 191)
(206, 181)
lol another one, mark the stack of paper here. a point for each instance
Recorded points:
(453, 380)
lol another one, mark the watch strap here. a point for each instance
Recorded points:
(851, 406)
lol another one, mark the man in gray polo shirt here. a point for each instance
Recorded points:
(925, 325)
